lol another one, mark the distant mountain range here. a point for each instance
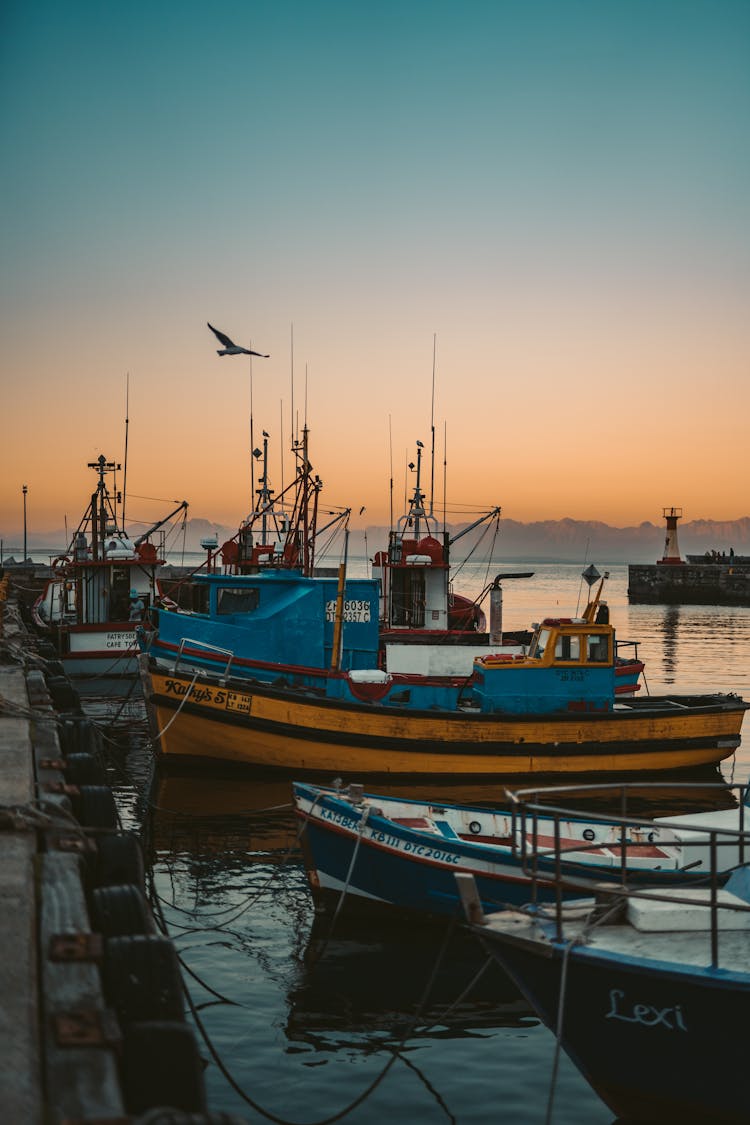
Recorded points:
(565, 540)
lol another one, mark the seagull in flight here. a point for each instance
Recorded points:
(230, 348)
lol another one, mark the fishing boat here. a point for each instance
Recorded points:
(647, 989)
(282, 531)
(101, 588)
(377, 851)
(425, 627)
(281, 673)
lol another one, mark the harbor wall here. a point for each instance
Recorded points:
(689, 584)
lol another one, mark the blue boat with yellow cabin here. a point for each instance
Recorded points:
(280, 672)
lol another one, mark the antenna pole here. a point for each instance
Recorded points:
(390, 448)
(291, 375)
(281, 440)
(432, 426)
(580, 584)
(125, 463)
(252, 438)
(445, 474)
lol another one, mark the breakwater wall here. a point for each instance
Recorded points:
(689, 584)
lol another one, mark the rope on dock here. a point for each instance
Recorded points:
(23, 818)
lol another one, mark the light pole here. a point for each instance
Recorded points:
(24, 490)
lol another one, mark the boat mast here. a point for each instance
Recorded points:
(99, 506)
(418, 499)
(305, 500)
(125, 462)
(264, 492)
(432, 427)
(338, 620)
(291, 379)
(445, 476)
(252, 439)
(390, 449)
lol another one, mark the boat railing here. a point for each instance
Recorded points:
(529, 807)
(191, 643)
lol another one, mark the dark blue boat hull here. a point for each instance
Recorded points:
(643, 1035)
(403, 881)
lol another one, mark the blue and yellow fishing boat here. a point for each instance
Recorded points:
(280, 672)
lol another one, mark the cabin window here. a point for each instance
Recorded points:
(229, 600)
(597, 650)
(541, 643)
(196, 597)
(407, 598)
(568, 648)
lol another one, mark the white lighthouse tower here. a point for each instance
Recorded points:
(671, 546)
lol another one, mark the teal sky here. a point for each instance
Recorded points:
(560, 191)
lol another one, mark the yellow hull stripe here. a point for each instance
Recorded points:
(299, 734)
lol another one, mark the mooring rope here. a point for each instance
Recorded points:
(183, 701)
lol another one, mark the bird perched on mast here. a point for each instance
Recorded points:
(230, 348)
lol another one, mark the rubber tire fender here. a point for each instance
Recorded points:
(141, 978)
(84, 769)
(64, 696)
(94, 806)
(119, 859)
(161, 1066)
(120, 910)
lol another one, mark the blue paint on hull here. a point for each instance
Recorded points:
(654, 1066)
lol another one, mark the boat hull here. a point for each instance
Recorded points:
(287, 730)
(405, 855)
(633, 1028)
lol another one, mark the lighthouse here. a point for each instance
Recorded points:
(671, 547)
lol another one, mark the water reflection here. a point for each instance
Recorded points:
(391, 976)
(669, 628)
(311, 1016)
(307, 1017)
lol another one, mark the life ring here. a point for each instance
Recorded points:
(59, 564)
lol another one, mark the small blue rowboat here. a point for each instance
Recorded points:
(380, 850)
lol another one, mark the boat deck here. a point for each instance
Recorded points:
(669, 949)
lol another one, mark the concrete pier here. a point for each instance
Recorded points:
(67, 1040)
(20, 1085)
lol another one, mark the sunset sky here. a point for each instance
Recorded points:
(556, 192)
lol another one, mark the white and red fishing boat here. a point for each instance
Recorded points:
(100, 590)
(426, 627)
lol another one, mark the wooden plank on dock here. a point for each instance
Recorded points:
(20, 1097)
(83, 1079)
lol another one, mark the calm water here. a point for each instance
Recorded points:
(307, 1020)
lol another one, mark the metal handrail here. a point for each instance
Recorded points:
(525, 809)
(210, 648)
